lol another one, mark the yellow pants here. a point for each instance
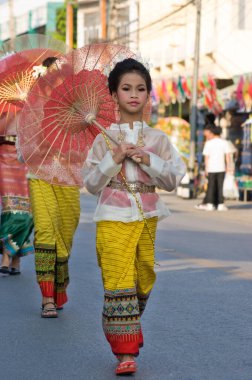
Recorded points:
(125, 254)
(56, 211)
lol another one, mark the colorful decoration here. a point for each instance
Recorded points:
(179, 132)
(171, 91)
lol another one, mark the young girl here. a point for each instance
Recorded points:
(125, 176)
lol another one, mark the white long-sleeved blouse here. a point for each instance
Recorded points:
(165, 171)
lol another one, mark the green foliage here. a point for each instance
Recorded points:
(60, 33)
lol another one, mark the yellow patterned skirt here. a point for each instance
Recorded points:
(126, 256)
(56, 211)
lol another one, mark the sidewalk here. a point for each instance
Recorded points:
(238, 211)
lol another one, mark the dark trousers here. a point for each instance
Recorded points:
(214, 193)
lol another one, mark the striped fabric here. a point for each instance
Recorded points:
(126, 256)
(56, 212)
(16, 218)
(12, 173)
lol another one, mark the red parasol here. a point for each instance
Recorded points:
(18, 73)
(19, 67)
(65, 111)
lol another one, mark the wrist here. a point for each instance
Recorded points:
(146, 160)
(117, 158)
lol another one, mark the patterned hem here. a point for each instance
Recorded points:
(16, 204)
(48, 290)
(121, 321)
(7, 245)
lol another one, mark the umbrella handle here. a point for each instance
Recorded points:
(138, 160)
(105, 131)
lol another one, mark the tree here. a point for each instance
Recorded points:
(60, 33)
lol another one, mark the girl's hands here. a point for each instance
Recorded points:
(121, 151)
(130, 150)
(140, 156)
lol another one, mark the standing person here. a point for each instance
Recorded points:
(16, 218)
(208, 122)
(127, 212)
(56, 212)
(217, 161)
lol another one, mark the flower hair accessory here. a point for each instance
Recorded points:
(108, 68)
(5, 55)
(39, 71)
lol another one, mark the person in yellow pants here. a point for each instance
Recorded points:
(56, 211)
(124, 177)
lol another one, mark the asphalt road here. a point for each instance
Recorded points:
(197, 325)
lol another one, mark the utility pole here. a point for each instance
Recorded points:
(103, 4)
(69, 24)
(193, 114)
(11, 24)
(113, 19)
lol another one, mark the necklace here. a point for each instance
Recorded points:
(140, 138)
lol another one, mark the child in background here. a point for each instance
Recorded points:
(124, 177)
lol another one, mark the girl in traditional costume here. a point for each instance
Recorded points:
(56, 211)
(16, 218)
(125, 177)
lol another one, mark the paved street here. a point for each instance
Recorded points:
(197, 326)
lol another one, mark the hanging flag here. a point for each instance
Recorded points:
(250, 89)
(211, 81)
(185, 87)
(165, 94)
(181, 93)
(239, 95)
(154, 95)
(205, 81)
(174, 91)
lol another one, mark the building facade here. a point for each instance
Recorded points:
(121, 22)
(164, 32)
(28, 16)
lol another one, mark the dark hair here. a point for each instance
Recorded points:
(49, 61)
(213, 129)
(126, 66)
(217, 131)
(210, 118)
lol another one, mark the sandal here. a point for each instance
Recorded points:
(4, 271)
(49, 312)
(14, 271)
(126, 368)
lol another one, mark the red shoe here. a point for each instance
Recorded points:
(126, 368)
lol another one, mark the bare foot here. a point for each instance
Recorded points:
(125, 358)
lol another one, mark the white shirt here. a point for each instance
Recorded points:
(165, 171)
(216, 150)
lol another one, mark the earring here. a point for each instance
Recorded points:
(121, 137)
(140, 138)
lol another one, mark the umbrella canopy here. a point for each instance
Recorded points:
(65, 111)
(20, 64)
(32, 41)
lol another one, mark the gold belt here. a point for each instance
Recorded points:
(135, 187)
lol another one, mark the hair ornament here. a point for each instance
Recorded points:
(39, 71)
(5, 55)
(144, 61)
(120, 57)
